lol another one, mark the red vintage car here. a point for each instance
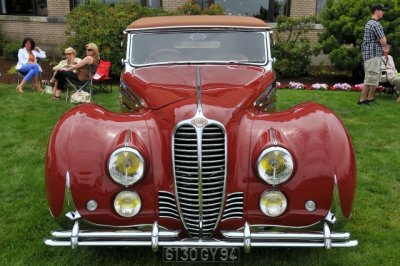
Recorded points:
(199, 162)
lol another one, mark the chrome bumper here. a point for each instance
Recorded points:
(159, 238)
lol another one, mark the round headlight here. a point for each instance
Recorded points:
(275, 165)
(273, 203)
(126, 166)
(127, 203)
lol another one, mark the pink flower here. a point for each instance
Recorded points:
(296, 85)
(342, 86)
(319, 86)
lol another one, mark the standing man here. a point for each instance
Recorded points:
(371, 49)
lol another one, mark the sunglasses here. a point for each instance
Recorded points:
(89, 50)
(68, 53)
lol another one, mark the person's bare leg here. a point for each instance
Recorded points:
(371, 92)
(55, 86)
(36, 84)
(364, 92)
(20, 86)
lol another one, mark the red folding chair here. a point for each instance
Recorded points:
(101, 79)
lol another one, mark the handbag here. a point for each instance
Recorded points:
(80, 96)
(48, 89)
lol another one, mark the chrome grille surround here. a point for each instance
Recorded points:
(199, 158)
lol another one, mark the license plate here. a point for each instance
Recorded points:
(192, 254)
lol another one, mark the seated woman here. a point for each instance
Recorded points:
(27, 63)
(70, 60)
(389, 70)
(83, 69)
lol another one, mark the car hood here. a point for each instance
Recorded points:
(227, 85)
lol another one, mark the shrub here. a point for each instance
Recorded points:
(11, 50)
(293, 49)
(189, 8)
(192, 8)
(104, 24)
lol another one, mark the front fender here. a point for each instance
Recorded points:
(80, 146)
(322, 151)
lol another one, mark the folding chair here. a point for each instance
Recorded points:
(101, 79)
(21, 76)
(75, 85)
(388, 88)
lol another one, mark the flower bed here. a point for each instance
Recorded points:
(322, 86)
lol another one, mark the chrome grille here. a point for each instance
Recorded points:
(200, 203)
(167, 205)
(234, 206)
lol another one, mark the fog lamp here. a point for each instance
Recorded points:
(126, 166)
(127, 203)
(273, 203)
(275, 165)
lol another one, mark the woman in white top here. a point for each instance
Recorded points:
(27, 63)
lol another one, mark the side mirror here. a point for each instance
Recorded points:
(123, 61)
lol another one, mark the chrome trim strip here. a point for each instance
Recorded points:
(272, 136)
(260, 101)
(196, 27)
(199, 132)
(67, 181)
(127, 138)
(335, 215)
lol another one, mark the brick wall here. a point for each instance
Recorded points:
(48, 32)
(171, 5)
(303, 8)
(57, 8)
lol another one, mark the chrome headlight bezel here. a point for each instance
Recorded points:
(125, 210)
(281, 177)
(277, 203)
(117, 176)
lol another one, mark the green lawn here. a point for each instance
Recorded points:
(26, 122)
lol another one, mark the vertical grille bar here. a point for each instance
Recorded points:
(200, 210)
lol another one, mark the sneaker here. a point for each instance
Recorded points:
(56, 98)
(371, 101)
(363, 102)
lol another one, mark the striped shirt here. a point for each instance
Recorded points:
(371, 46)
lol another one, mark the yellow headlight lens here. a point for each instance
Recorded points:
(273, 203)
(126, 166)
(275, 165)
(127, 203)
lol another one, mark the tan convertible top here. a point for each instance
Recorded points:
(196, 22)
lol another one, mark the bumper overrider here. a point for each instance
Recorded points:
(160, 237)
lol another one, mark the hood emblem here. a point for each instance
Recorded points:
(199, 122)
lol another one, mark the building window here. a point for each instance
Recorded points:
(23, 7)
(150, 3)
(320, 6)
(267, 10)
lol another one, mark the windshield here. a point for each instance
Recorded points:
(248, 47)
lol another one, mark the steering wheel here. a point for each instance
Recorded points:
(166, 55)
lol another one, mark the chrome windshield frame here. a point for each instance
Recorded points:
(265, 32)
